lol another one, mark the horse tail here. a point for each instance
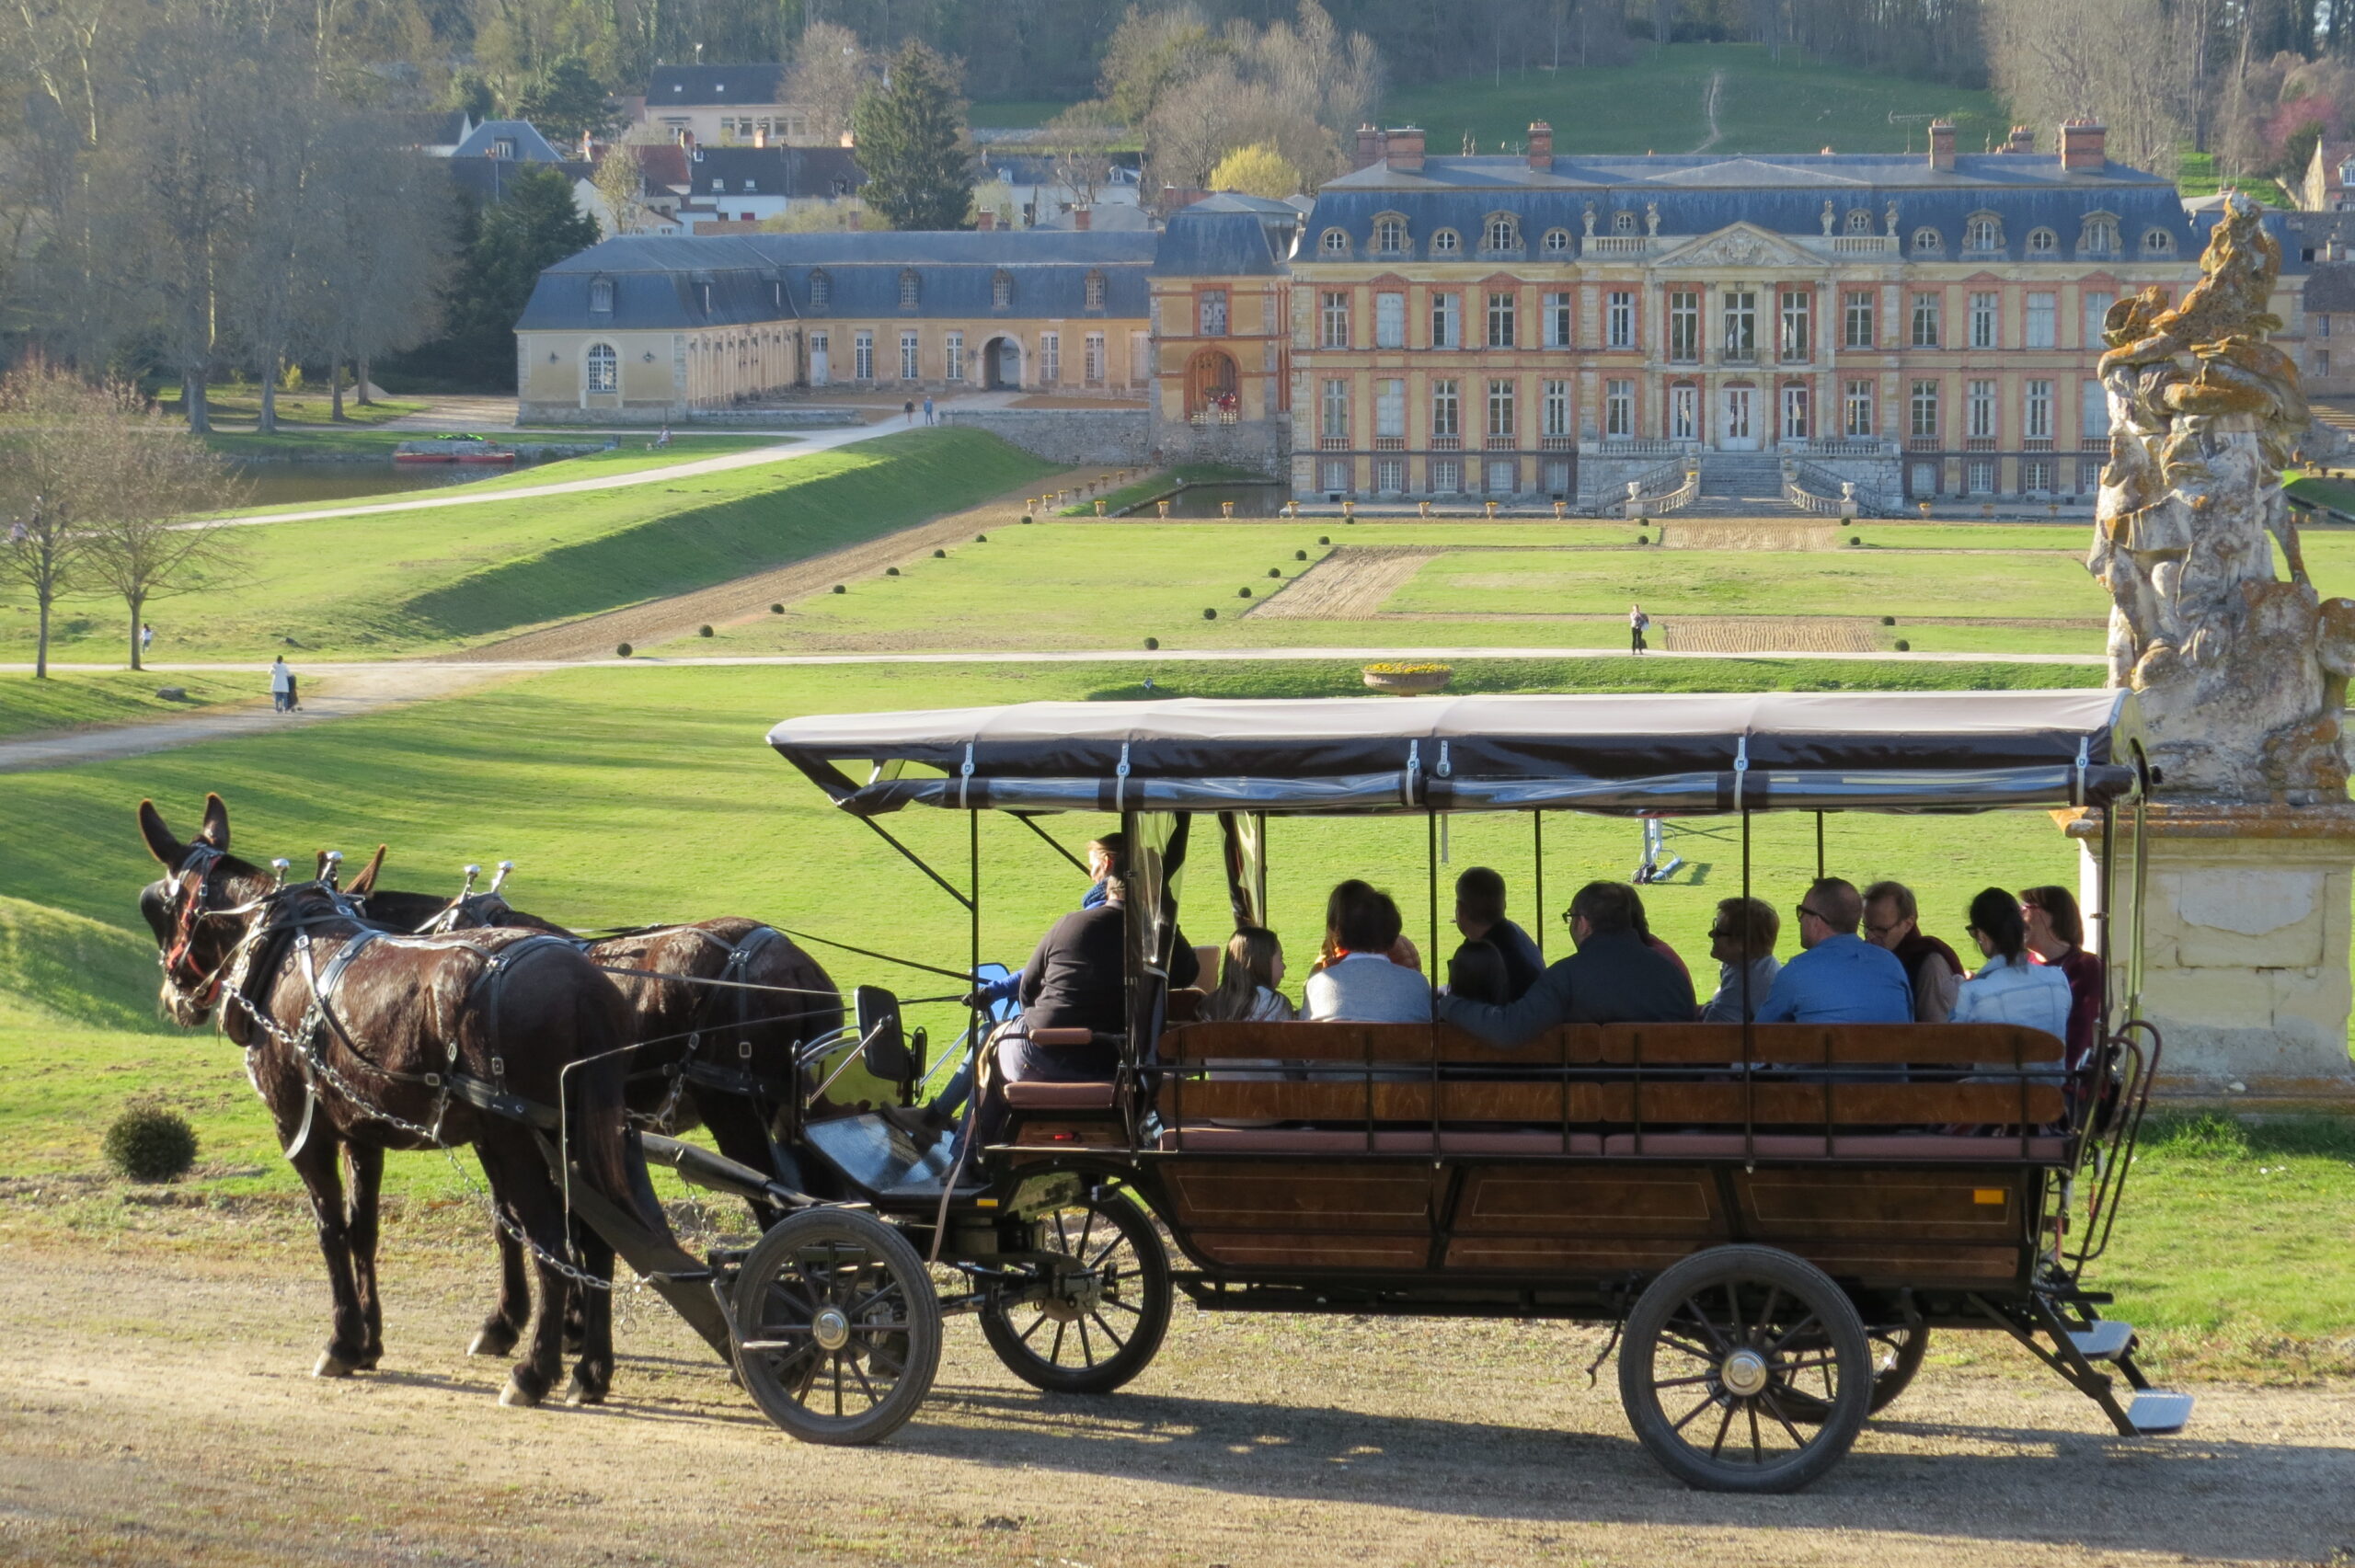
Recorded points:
(604, 1150)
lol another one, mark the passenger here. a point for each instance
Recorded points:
(1480, 916)
(1644, 929)
(1612, 979)
(1246, 991)
(1742, 925)
(1402, 952)
(2056, 932)
(1362, 984)
(1931, 966)
(1106, 859)
(1839, 977)
(2009, 988)
(1480, 972)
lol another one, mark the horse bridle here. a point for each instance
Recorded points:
(193, 882)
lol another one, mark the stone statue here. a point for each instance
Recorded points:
(1590, 220)
(1891, 216)
(2243, 676)
(1829, 219)
(1651, 217)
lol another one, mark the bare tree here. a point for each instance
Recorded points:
(43, 471)
(830, 70)
(383, 227)
(143, 479)
(2123, 62)
(1082, 138)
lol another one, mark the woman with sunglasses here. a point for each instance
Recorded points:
(2010, 987)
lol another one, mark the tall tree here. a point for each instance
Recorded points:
(144, 479)
(384, 234)
(43, 476)
(506, 246)
(830, 71)
(565, 101)
(911, 139)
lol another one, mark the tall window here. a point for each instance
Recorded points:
(1979, 410)
(1858, 408)
(1795, 412)
(910, 286)
(1558, 332)
(1684, 325)
(1093, 349)
(1332, 316)
(1446, 475)
(1501, 424)
(1094, 293)
(1390, 408)
(1619, 409)
(1335, 425)
(1924, 422)
(1447, 321)
(1050, 357)
(1502, 234)
(1213, 312)
(1984, 231)
(1683, 412)
(1501, 305)
(1446, 410)
(2100, 235)
(1002, 291)
(1857, 319)
(1390, 235)
(2041, 330)
(604, 367)
(601, 296)
(1558, 407)
(862, 348)
(2035, 422)
(907, 356)
(1983, 320)
(1618, 319)
(1742, 326)
(1925, 321)
(2094, 415)
(953, 357)
(1797, 323)
(1389, 321)
(822, 290)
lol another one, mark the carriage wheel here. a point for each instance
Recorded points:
(837, 1328)
(1715, 1349)
(1090, 1327)
(1897, 1351)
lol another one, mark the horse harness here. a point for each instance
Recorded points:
(694, 1067)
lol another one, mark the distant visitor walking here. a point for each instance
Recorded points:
(146, 637)
(1636, 622)
(927, 408)
(282, 685)
(909, 408)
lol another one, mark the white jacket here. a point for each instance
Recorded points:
(2015, 992)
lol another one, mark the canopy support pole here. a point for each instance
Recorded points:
(1029, 819)
(1819, 846)
(1537, 839)
(1749, 1007)
(917, 861)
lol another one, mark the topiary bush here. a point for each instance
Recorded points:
(1643, 538)
(1275, 571)
(148, 1143)
(1210, 614)
(842, 588)
(703, 631)
(1242, 594)
(776, 609)
(940, 555)
(1299, 554)
(622, 651)
(1321, 539)
(1855, 539)
(981, 538)
(1026, 518)
(1152, 643)
(1889, 620)
(1904, 646)
(891, 571)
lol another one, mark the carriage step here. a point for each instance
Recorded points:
(2106, 1340)
(2157, 1410)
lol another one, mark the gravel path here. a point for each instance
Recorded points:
(153, 1408)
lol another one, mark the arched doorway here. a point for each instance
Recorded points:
(1002, 364)
(1211, 384)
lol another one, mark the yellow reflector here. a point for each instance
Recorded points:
(991, 1203)
(1987, 1195)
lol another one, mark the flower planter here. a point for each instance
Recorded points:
(1408, 681)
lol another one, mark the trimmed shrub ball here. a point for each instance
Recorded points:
(703, 631)
(1210, 614)
(981, 538)
(1275, 571)
(1242, 594)
(842, 588)
(776, 609)
(1026, 518)
(1321, 539)
(1889, 620)
(940, 555)
(1643, 538)
(1299, 554)
(148, 1143)
(622, 651)
(891, 571)
(1855, 539)
(1904, 646)
(1152, 643)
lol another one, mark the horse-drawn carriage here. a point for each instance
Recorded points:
(1773, 1218)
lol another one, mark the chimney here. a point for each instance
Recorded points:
(2023, 139)
(2081, 143)
(985, 221)
(1081, 217)
(1369, 148)
(1404, 149)
(1942, 144)
(1540, 146)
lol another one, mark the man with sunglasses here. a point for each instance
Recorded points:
(1839, 977)
(1612, 979)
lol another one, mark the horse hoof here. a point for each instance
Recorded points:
(583, 1392)
(516, 1394)
(492, 1342)
(331, 1365)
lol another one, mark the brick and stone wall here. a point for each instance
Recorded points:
(1069, 436)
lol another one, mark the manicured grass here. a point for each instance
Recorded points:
(2195, 174)
(1654, 104)
(411, 581)
(1161, 484)
(632, 456)
(2336, 494)
(1317, 678)
(69, 698)
(243, 405)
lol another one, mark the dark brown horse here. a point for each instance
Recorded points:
(721, 1021)
(360, 1042)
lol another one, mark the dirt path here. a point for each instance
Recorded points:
(1350, 584)
(643, 625)
(157, 1410)
(1709, 109)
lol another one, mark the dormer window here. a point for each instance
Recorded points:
(1860, 222)
(1984, 231)
(1095, 290)
(2042, 242)
(822, 290)
(1002, 291)
(1390, 235)
(2100, 235)
(1335, 242)
(504, 147)
(2158, 242)
(1622, 223)
(704, 290)
(747, 185)
(1558, 242)
(909, 287)
(1446, 243)
(1927, 243)
(601, 295)
(718, 184)
(1501, 233)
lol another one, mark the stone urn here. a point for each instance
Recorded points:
(1408, 679)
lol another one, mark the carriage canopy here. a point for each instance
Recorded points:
(1632, 754)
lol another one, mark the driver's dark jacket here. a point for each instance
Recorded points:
(1614, 978)
(1075, 979)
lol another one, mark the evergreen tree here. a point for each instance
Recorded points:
(503, 248)
(911, 141)
(565, 101)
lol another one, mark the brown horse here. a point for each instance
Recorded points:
(721, 1019)
(360, 1042)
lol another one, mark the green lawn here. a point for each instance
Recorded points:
(1160, 483)
(1654, 104)
(632, 456)
(414, 581)
(242, 404)
(70, 698)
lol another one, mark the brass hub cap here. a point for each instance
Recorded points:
(830, 1329)
(1744, 1373)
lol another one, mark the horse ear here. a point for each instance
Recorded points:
(161, 844)
(216, 823)
(365, 883)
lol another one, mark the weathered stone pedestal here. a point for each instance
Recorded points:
(2245, 948)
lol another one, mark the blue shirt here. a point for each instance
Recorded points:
(1842, 980)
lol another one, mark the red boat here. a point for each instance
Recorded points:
(454, 449)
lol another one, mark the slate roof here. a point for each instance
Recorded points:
(2331, 286)
(1105, 217)
(487, 179)
(1212, 244)
(657, 277)
(1700, 194)
(792, 172)
(714, 86)
(530, 145)
(429, 128)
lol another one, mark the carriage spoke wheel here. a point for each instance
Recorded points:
(1717, 1350)
(838, 1329)
(1090, 1321)
(1897, 1350)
